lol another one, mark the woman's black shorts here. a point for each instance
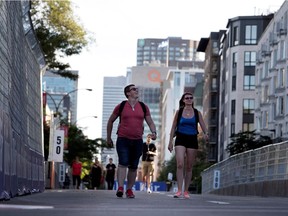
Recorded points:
(188, 141)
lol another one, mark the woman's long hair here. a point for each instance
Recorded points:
(181, 101)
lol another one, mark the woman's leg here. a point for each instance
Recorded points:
(190, 161)
(180, 155)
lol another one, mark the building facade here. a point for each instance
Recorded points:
(167, 51)
(61, 95)
(271, 115)
(237, 77)
(211, 47)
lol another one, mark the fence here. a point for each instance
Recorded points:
(259, 172)
(21, 61)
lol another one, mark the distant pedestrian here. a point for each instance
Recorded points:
(76, 173)
(110, 174)
(66, 183)
(148, 154)
(96, 174)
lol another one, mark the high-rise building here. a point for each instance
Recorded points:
(168, 51)
(57, 87)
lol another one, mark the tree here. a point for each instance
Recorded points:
(79, 145)
(58, 33)
(248, 140)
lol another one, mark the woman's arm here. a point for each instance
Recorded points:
(172, 131)
(203, 126)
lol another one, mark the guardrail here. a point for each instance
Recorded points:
(260, 172)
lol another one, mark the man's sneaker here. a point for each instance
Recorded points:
(120, 192)
(177, 195)
(186, 195)
(130, 194)
(149, 191)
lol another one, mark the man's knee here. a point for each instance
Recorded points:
(132, 169)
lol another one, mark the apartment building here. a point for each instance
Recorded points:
(238, 50)
(271, 101)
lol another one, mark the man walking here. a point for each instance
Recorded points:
(149, 152)
(110, 174)
(132, 114)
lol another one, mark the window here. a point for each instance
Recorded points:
(234, 83)
(251, 34)
(214, 84)
(233, 107)
(235, 36)
(215, 48)
(281, 50)
(249, 82)
(177, 79)
(232, 128)
(280, 105)
(235, 56)
(281, 77)
(248, 106)
(250, 59)
(188, 78)
(248, 126)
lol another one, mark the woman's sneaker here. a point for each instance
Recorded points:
(130, 194)
(119, 192)
(186, 195)
(177, 195)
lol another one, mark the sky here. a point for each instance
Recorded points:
(115, 25)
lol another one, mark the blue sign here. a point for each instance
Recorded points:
(155, 186)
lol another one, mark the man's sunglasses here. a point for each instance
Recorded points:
(133, 89)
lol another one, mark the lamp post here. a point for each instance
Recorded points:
(53, 128)
(57, 106)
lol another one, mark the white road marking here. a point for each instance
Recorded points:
(11, 206)
(219, 202)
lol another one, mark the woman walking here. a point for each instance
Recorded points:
(185, 127)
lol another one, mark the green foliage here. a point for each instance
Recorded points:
(79, 145)
(245, 141)
(58, 32)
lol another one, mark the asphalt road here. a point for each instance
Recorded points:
(105, 203)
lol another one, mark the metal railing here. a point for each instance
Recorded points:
(266, 164)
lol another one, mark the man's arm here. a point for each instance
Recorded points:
(152, 127)
(110, 122)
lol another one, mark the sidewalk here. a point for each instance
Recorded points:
(105, 203)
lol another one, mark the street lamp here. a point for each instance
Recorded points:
(57, 106)
(54, 133)
(84, 118)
